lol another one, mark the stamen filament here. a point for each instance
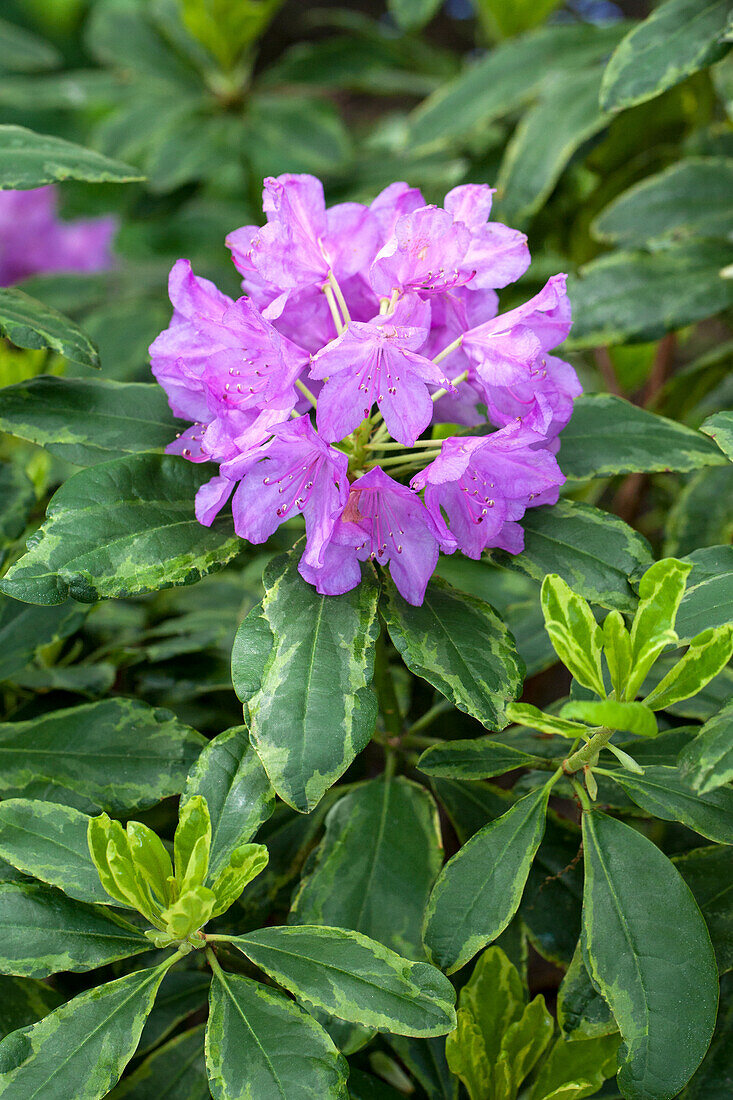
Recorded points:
(340, 326)
(451, 347)
(401, 447)
(306, 392)
(339, 297)
(454, 382)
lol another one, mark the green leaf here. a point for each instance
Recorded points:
(719, 426)
(459, 645)
(412, 14)
(631, 717)
(575, 1070)
(660, 593)
(551, 902)
(87, 420)
(130, 37)
(259, 1041)
(122, 528)
(17, 497)
(608, 435)
(354, 978)
(425, 1059)
(28, 159)
(638, 915)
(182, 993)
(479, 889)
(229, 775)
(707, 762)
(303, 665)
(708, 599)
(581, 1011)
(480, 758)
(662, 791)
(504, 18)
(566, 115)
(522, 1045)
(24, 51)
(593, 551)
(227, 27)
(678, 38)
(714, 1079)
(23, 1001)
(574, 632)
(527, 715)
(49, 842)
(176, 1071)
(118, 755)
(507, 77)
(44, 932)
(81, 1049)
(26, 629)
(376, 865)
(689, 199)
(630, 297)
(709, 874)
(29, 323)
(708, 653)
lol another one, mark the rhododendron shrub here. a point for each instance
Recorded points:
(367, 381)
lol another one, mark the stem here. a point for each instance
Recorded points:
(582, 796)
(404, 460)
(213, 961)
(401, 447)
(454, 382)
(429, 717)
(340, 326)
(305, 391)
(386, 693)
(339, 297)
(589, 752)
(446, 351)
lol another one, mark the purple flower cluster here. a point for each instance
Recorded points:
(33, 241)
(360, 327)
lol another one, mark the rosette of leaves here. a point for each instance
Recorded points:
(124, 895)
(638, 912)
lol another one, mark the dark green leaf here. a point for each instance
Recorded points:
(714, 1079)
(663, 792)
(177, 1071)
(581, 1011)
(354, 978)
(17, 497)
(23, 1001)
(719, 426)
(470, 805)
(707, 762)
(608, 435)
(26, 628)
(121, 528)
(44, 932)
(551, 902)
(23, 51)
(479, 889)
(459, 645)
(117, 755)
(480, 758)
(627, 297)
(638, 914)
(376, 865)
(31, 324)
(49, 842)
(81, 1049)
(29, 160)
(411, 14)
(229, 775)
(259, 1041)
(594, 551)
(678, 38)
(709, 874)
(548, 135)
(87, 420)
(690, 199)
(425, 1059)
(708, 599)
(303, 665)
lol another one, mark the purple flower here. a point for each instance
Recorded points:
(485, 484)
(393, 304)
(33, 241)
(385, 522)
(377, 362)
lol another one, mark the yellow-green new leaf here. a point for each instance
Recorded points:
(660, 593)
(466, 1054)
(633, 717)
(192, 843)
(191, 912)
(617, 651)
(99, 832)
(533, 718)
(574, 632)
(151, 859)
(245, 863)
(707, 655)
(574, 1070)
